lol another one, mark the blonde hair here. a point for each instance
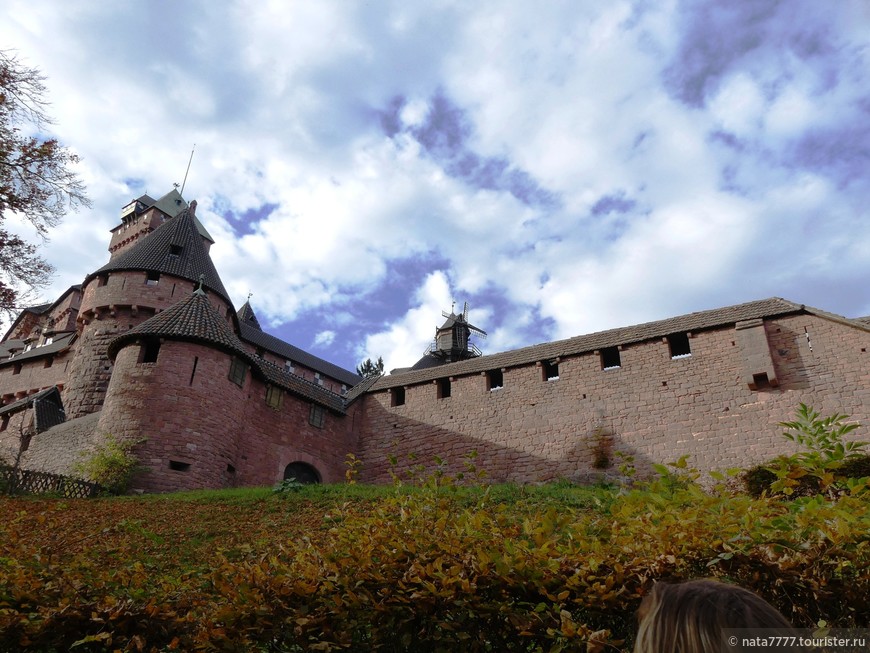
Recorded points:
(690, 617)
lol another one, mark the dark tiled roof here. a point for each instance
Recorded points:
(277, 346)
(195, 320)
(246, 314)
(48, 408)
(155, 253)
(595, 341)
(274, 374)
(60, 342)
(360, 389)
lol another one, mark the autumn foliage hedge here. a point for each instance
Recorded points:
(434, 569)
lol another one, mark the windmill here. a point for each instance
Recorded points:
(452, 337)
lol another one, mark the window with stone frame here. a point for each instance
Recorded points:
(274, 396)
(316, 416)
(238, 370)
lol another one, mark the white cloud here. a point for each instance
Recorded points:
(324, 338)
(404, 341)
(286, 107)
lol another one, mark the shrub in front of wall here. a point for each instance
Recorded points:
(111, 464)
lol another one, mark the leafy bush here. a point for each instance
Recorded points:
(111, 464)
(826, 464)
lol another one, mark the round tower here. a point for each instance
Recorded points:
(154, 272)
(171, 392)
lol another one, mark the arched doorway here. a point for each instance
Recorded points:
(302, 472)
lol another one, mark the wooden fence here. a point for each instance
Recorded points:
(23, 481)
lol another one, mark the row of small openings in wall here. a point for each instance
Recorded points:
(609, 356)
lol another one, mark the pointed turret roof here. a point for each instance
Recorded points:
(247, 316)
(192, 319)
(195, 320)
(174, 248)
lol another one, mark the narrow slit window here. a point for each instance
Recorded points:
(193, 371)
(678, 343)
(397, 397)
(610, 359)
(494, 380)
(444, 388)
(551, 370)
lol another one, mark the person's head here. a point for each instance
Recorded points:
(690, 617)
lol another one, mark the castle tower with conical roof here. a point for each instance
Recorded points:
(161, 262)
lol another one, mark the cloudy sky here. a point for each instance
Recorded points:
(564, 167)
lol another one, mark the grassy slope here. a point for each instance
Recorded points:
(105, 567)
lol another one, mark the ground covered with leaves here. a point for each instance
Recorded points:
(431, 568)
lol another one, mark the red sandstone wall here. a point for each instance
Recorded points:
(34, 376)
(273, 438)
(190, 423)
(653, 407)
(106, 312)
(226, 434)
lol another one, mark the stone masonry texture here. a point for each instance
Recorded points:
(212, 402)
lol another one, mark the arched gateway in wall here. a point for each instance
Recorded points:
(302, 472)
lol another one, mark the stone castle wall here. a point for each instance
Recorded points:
(33, 375)
(652, 407)
(111, 305)
(201, 430)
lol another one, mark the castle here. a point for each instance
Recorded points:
(150, 348)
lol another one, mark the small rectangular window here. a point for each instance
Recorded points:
(102, 280)
(175, 250)
(397, 397)
(443, 388)
(238, 369)
(494, 380)
(317, 378)
(5, 423)
(16, 369)
(316, 415)
(149, 351)
(274, 396)
(551, 370)
(288, 367)
(610, 359)
(178, 466)
(152, 278)
(678, 343)
(49, 362)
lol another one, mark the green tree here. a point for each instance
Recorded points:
(36, 179)
(368, 368)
